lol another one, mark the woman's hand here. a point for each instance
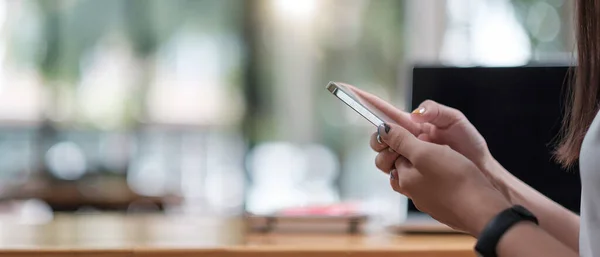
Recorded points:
(436, 123)
(442, 125)
(439, 124)
(442, 182)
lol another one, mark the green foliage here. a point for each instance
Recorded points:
(70, 28)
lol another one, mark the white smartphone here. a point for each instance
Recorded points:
(358, 104)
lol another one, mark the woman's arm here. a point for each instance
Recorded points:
(559, 222)
(526, 239)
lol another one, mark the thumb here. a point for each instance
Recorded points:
(402, 141)
(437, 114)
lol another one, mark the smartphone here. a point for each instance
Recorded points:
(358, 104)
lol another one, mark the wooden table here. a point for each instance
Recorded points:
(113, 235)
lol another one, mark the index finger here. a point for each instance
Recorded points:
(400, 117)
(437, 114)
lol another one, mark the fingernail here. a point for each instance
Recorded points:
(419, 110)
(394, 174)
(385, 127)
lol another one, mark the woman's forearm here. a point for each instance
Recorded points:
(558, 221)
(527, 239)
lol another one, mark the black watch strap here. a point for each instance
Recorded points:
(495, 229)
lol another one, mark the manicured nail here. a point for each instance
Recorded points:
(394, 174)
(386, 128)
(419, 110)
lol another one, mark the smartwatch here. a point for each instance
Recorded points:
(495, 229)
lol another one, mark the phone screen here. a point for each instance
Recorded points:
(358, 104)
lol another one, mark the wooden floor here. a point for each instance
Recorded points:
(151, 235)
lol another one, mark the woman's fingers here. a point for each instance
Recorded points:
(425, 137)
(412, 154)
(402, 176)
(437, 114)
(404, 143)
(394, 181)
(400, 117)
(402, 163)
(385, 160)
(376, 145)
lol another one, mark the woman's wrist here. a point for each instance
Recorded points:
(500, 178)
(490, 208)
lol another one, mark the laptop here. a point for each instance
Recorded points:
(518, 110)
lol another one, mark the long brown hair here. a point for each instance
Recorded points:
(584, 96)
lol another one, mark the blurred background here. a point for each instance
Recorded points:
(218, 107)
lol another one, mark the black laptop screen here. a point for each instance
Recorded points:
(517, 110)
